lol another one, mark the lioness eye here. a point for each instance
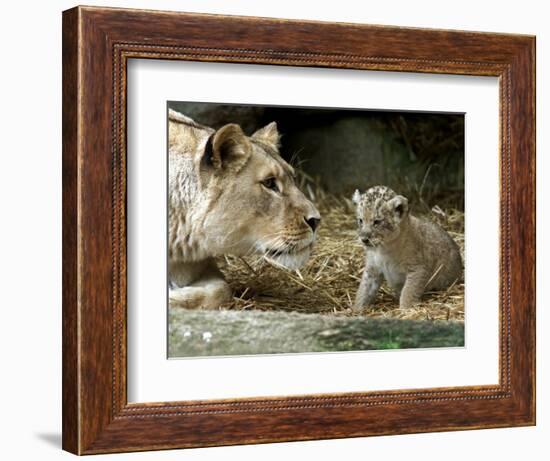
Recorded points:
(359, 220)
(270, 183)
(376, 222)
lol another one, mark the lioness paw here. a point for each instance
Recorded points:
(211, 297)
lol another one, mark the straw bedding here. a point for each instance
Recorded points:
(328, 282)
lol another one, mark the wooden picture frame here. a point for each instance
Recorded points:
(97, 44)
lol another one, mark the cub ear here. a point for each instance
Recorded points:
(356, 198)
(269, 134)
(228, 148)
(400, 205)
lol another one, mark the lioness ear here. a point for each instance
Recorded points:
(356, 197)
(268, 134)
(400, 205)
(228, 148)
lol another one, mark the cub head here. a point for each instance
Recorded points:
(380, 215)
(254, 205)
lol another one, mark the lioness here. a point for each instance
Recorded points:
(229, 194)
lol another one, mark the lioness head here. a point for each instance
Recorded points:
(380, 214)
(250, 201)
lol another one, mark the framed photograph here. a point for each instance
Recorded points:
(284, 230)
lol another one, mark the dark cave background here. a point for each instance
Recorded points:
(418, 154)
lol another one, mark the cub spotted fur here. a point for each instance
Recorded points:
(229, 194)
(414, 255)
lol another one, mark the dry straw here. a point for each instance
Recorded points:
(328, 282)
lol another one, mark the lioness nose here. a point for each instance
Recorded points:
(313, 222)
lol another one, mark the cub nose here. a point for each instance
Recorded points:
(313, 222)
(366, 241)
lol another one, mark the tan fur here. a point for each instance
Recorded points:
(414, 255)
(219, 203)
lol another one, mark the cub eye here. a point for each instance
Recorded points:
(271, 183)
(377, 222)
(360, 220)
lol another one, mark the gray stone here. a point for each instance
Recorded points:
(354, 151)
(213, 333)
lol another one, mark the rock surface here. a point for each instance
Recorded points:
(213, 333)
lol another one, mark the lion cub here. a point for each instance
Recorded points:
(414, 255)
